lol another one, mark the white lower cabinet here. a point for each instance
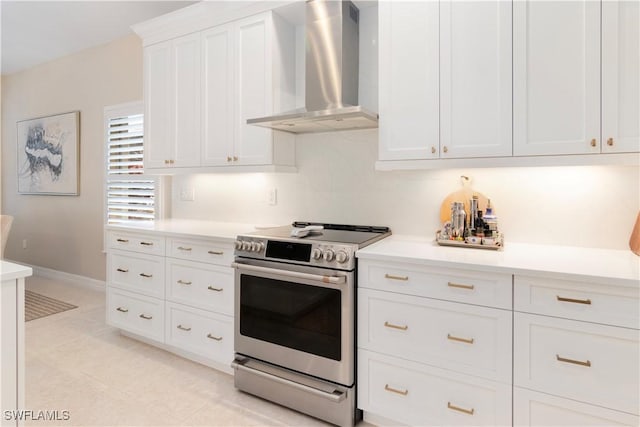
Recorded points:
(182, 302)
(139, 314)
(591, 363)
(531, 408)
(420, 395)
(201, 332)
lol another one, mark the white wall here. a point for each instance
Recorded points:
(65, 232)
(591, 206)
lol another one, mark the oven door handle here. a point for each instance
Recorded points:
(295, 274)
(334, 397)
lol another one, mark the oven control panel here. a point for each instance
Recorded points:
(329, 255)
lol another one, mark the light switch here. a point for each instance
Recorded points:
(187, 194)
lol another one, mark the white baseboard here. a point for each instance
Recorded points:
(49, 273)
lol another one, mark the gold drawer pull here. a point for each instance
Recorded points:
(122, 240)
(215, 253)
(594, 142)
(459, 409)
(575, 301)
(182, 248)
(391, 325)
(211, 288)
(183, 282)
(575, 362)
(122, 310)
(122, 270)
(464, 340)
(146, 243)
(146, 275)
(392, 277)
(395, 390)
(146, 317)
(458, 285)
(213, 337)
(182, 328)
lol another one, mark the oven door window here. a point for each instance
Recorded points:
(302, 317)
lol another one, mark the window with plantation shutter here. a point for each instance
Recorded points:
(130, 195)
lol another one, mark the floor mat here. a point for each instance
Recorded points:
(37, 306)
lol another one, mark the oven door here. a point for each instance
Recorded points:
(297, 317)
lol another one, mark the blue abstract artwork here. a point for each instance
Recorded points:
(48, 155)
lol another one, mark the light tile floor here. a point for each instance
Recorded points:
(77, 363)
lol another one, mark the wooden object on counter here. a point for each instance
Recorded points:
(634, 240)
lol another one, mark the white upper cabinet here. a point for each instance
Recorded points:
(172, 103)
(218, 90)
(475, 79)
(445, 79)
(556, 77)
(201, 88)
(243, 65)
(620, 76)
(409, 78)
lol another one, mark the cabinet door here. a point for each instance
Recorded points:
(620, 71)
(556, 80)
(186, 102)
(218, 101)
(475, 79)
(158, 105)
(408, 76)
(253, 144)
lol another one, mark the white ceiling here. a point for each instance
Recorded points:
(34, 32)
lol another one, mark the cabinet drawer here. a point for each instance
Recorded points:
(461, 337)
(591, 302)
(136, 272)
(200, 285)
(534, 409)
(210, 251)
(206, 334)
(472, 287)
(136, 313)
(137, 242)
(419, 395)
(583, 361)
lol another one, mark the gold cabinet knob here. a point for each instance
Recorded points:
(228, 158)
(594, 142)
(235, 158)
(610, 142)
(433, 150)
(166, 162)
(445, 149)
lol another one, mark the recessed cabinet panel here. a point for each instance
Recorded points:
(556, 63)
(158, 121)
(218, 88)
(620, 81)
(408, 75)
(475, 79)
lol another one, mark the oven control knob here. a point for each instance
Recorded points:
(316, 253)
(259, 246)
(328, 255)
(246, 246)
(238, 244)
(342, 257)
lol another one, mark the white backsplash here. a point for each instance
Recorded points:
(590, 206)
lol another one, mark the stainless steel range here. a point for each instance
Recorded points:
(295, 316)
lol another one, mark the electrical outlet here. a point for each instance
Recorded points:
(187, 194)
(272, 197)
(24, 244)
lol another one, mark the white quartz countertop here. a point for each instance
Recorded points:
(191, 228)
(616, 266)
(11, 271)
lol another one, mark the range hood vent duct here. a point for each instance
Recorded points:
(331, 74)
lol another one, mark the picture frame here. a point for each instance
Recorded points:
(48, 155)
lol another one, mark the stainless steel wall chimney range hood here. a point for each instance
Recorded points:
(331, 74)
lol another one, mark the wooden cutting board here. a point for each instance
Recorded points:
(634, 240)
(463, 195)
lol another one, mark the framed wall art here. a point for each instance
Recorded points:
(48, 157)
